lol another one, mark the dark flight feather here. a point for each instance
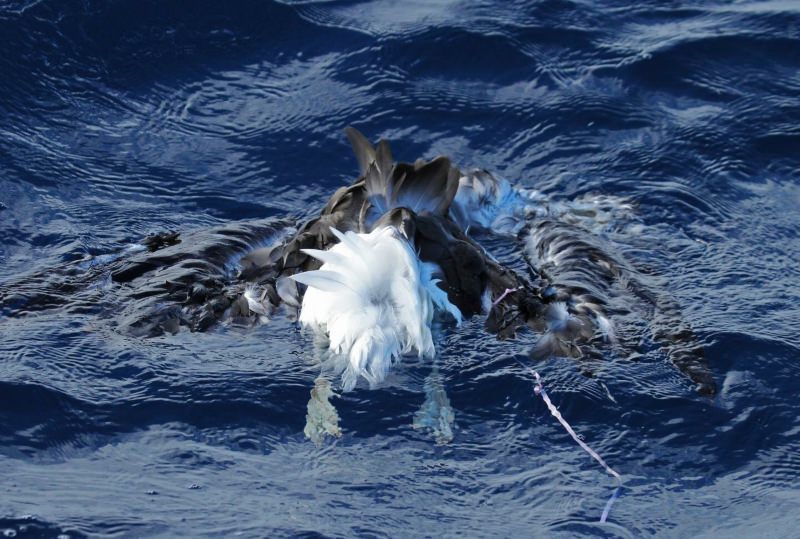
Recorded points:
(365, 152)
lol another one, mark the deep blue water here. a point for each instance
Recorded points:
(120, 119)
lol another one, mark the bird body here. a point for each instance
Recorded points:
(396, 246)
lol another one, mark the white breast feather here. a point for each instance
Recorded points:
(375, 299)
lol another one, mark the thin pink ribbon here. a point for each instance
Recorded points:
(504, 294)
(539, 390)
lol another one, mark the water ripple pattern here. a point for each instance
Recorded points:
(222, 121)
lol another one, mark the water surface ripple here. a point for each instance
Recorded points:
(126, 118)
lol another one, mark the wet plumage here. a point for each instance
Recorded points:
(417, 217)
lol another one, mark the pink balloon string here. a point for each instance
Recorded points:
(504, 294)
(539, 390)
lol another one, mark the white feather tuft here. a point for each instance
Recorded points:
(484, 201)
(606, 327)
(375, 299)
(257, 303)
(558, 316)
(486, 300)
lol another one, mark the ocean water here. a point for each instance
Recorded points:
(120, 119)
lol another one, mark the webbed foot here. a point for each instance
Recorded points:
(436, 415)
(322, 418)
